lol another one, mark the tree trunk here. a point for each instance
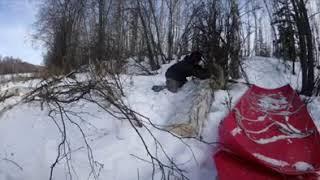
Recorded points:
(153, 63)
(101, 32)
(235, 41)
(310, 56)
(306, 46)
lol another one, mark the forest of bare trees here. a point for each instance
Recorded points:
(78, 32)
(92, 31)
(293, 35)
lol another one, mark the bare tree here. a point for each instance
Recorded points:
(58, 27)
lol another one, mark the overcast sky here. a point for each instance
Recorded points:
(16, 19)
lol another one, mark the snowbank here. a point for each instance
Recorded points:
(29, 137)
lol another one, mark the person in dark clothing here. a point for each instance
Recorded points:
(176, 75)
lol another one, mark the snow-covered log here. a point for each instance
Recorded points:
(13, 91)
(192, 121)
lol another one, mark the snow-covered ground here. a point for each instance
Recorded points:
(29, 137)
(14, 77)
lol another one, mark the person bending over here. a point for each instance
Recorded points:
(176, 75)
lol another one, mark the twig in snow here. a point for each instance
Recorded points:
(13, 162)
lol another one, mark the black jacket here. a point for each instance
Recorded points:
(186, 68)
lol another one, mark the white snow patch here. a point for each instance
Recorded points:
(271, 72)
(272, 103)
(271, 161)
(261, 118)
(236, 131)
(277, 138)
(303, 166)
(314, 110)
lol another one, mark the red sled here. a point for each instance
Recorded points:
(272, 128)
(230, 167)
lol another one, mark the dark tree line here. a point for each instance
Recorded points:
(11, 65)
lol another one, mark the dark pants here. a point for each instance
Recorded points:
(174, 85)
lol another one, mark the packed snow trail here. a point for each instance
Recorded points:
(29, 137)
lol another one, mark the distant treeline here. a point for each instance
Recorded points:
(11, 65)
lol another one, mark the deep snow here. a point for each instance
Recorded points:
(29, 138)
